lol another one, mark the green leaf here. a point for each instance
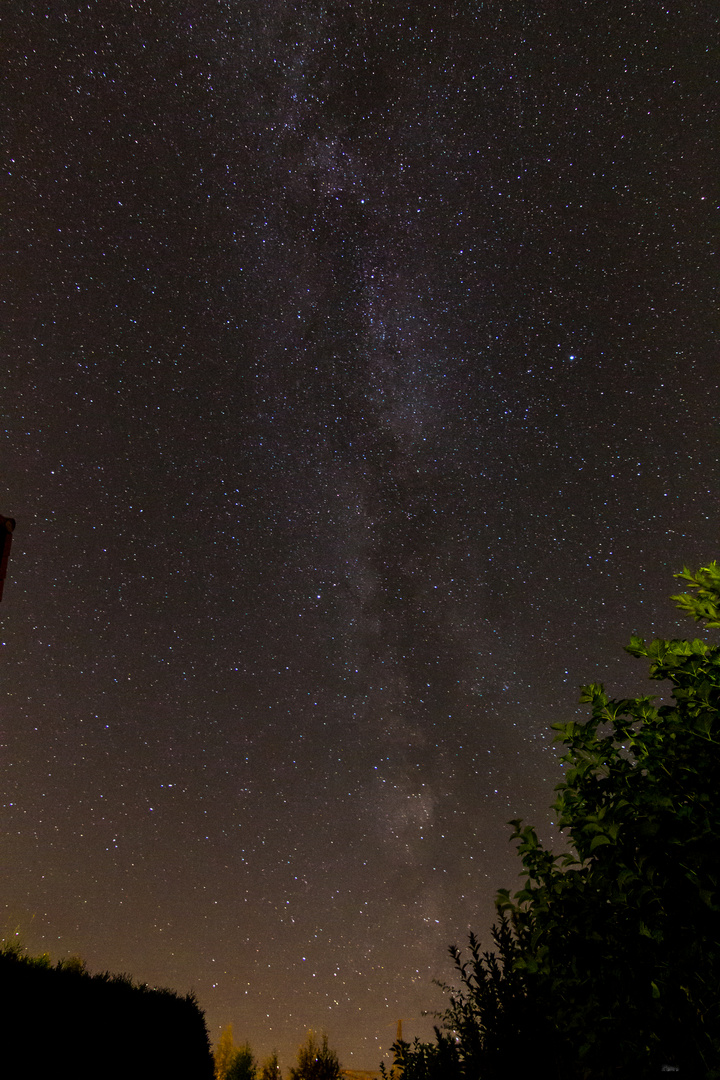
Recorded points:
(589, 932)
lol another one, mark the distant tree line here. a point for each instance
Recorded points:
(315, 1061)
(60, 1018)
(239, 1063)
(607, 962)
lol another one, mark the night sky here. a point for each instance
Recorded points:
(360, 399)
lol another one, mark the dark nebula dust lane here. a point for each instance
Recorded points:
(360, 399)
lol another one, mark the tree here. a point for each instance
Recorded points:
(243, 1065)
(271, 1068)
(224, 1053)
(233, 1062)
(607, 961)
(316, 1062)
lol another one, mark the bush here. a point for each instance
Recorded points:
(95, 1025)
(607, 961)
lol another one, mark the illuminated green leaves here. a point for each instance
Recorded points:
(705, 605)
(612, 946)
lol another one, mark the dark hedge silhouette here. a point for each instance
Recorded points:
(607, 961)
(61, 1019)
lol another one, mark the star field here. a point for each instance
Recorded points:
(360, 400)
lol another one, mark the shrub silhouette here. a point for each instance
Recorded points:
(95, 1025)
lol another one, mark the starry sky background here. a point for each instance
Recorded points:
(360, 399)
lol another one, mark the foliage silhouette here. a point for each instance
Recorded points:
(243, 1065)
(271, 1068)
(156, 1032)
(233, 1062)
(607, 961)
(316, 1061)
